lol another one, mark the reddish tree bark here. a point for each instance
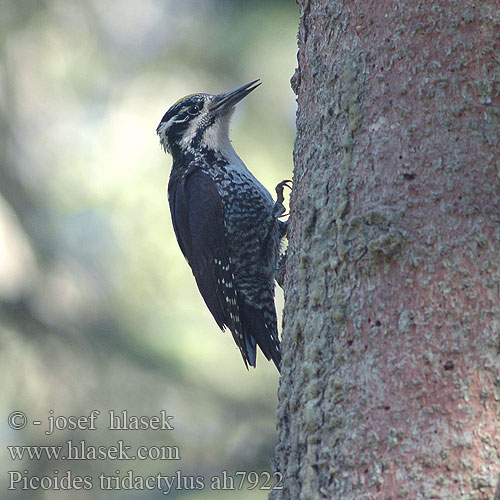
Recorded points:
(391, 346)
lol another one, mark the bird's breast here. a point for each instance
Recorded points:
(238, 181)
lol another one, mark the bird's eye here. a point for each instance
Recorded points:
(194, 109)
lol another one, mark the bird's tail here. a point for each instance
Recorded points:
(260, 328)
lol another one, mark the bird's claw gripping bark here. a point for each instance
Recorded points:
(279, 209)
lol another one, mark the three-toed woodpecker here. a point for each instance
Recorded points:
(226, 222)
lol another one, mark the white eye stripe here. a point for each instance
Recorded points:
(173, 120)
(182, 121)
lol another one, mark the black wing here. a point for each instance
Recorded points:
(198, 220)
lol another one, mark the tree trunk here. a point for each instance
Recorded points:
(391, 345)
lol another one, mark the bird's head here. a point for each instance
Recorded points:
(200, 121)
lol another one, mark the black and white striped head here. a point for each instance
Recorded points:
(200, 121)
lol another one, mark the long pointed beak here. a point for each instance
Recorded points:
(223, 102)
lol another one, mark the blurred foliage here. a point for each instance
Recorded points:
(98, 309)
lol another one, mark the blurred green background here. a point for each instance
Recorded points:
(98, 309)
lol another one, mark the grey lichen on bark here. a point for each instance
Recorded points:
(391, 346)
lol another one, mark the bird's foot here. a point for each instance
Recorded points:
(279, 209)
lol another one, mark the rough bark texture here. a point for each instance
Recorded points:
(391, 346)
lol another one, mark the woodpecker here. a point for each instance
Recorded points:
(226, 222)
